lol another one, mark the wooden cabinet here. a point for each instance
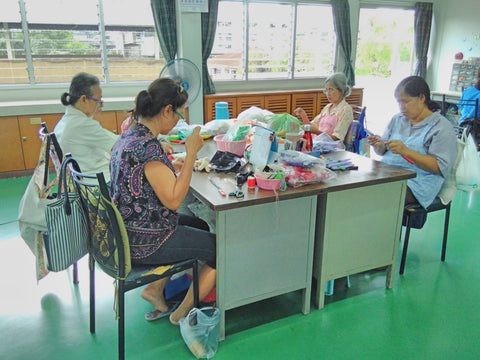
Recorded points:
(278, 102)
(20, 145)
(11, 155)
(29, 126)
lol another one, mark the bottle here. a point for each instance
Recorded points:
(307, 135)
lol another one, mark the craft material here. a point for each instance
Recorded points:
(220, 190)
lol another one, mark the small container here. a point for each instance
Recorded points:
(221, 111)
(251, 182)
(307, 135)
(236, 147)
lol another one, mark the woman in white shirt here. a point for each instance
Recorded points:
(81, 135)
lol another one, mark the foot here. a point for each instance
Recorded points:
(157, 300)
(157, 314)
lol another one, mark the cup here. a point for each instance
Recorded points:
(221, 111)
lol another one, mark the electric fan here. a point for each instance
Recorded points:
(187, 73)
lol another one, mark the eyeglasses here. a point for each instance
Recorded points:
(329, 91)
(96, 100)
(180, 114)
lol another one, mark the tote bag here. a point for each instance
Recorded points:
(67, 228)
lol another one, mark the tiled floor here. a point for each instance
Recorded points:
(431, 313)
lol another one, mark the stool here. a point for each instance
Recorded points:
(411, 213)
(329, 286)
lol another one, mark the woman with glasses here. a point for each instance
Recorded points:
(337, 116)
(148, 192)
(78, 132)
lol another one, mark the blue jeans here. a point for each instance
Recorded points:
(191, 239)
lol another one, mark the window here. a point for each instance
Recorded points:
(42, 46)
(250, 44)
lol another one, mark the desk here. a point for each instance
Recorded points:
(265, 243)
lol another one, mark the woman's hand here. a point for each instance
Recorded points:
(299, 112)
(377, 143)
(168, 148)
(397, 147)
(194, 142)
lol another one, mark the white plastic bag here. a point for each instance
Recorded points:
(200, 330)
(468, 170)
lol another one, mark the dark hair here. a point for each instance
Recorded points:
(81, 84)
(161, 92)
(415, 86)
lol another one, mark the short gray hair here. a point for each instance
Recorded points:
(339, 81)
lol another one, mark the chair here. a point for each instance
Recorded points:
(55, 154)
(356, 131)
(109, 248)
(412, 213)
(472, 124)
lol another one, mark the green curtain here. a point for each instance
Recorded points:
(341, 22)
(209, 26)
(166, 26)
(422, 27)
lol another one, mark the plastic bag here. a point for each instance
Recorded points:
(254, 113)
(297, 176)
(468, 169)
(297, 158)
(283, 123)
(200, 330)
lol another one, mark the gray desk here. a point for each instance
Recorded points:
(265, 242)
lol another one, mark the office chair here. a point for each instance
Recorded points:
(414, 216)
(109, 248)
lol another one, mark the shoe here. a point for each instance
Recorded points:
(157, 314)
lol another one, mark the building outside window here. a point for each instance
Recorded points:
(258, 40)
(113, 39)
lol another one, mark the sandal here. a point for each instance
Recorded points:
(157, 314)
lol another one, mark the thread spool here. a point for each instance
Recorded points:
(251, 182)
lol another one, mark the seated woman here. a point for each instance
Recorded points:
(148, 192)
(337, 116)
(471, 93)
(78, 133)
(418, 139)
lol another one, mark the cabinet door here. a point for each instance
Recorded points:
(121, 117)
(108, 120)
(209, 106)
(245, 102)
(29, 126)
(307, 101)
(11, 156)
(356, 97)
(278, 104)
(322, 101)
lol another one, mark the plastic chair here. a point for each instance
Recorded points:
(110, 249)
(55, 154)
(412, 214)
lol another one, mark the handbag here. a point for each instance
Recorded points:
(67, 228)
(200, 330)
(468, 167)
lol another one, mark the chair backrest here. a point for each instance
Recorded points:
(49, 150)
(356, 131)
(108, 240)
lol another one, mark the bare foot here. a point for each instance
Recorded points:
(155, 298)
(181, 312)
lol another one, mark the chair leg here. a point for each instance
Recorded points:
(329, 287)
(92, 294)
(121, 320)
(405, 246)
(75, 273)
(196, 300)
(445, 231)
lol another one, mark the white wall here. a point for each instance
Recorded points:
(456, 29)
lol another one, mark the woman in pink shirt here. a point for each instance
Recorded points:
(336, 117)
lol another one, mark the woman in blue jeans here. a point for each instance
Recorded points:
(147, 191)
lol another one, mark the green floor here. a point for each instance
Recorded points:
(431, 313)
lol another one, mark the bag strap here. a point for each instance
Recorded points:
(62, 191)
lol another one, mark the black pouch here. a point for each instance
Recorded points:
(227, 162)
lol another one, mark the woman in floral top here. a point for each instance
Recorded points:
(337, 116)
(148, 192)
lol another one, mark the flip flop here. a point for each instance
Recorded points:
(157, 314)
